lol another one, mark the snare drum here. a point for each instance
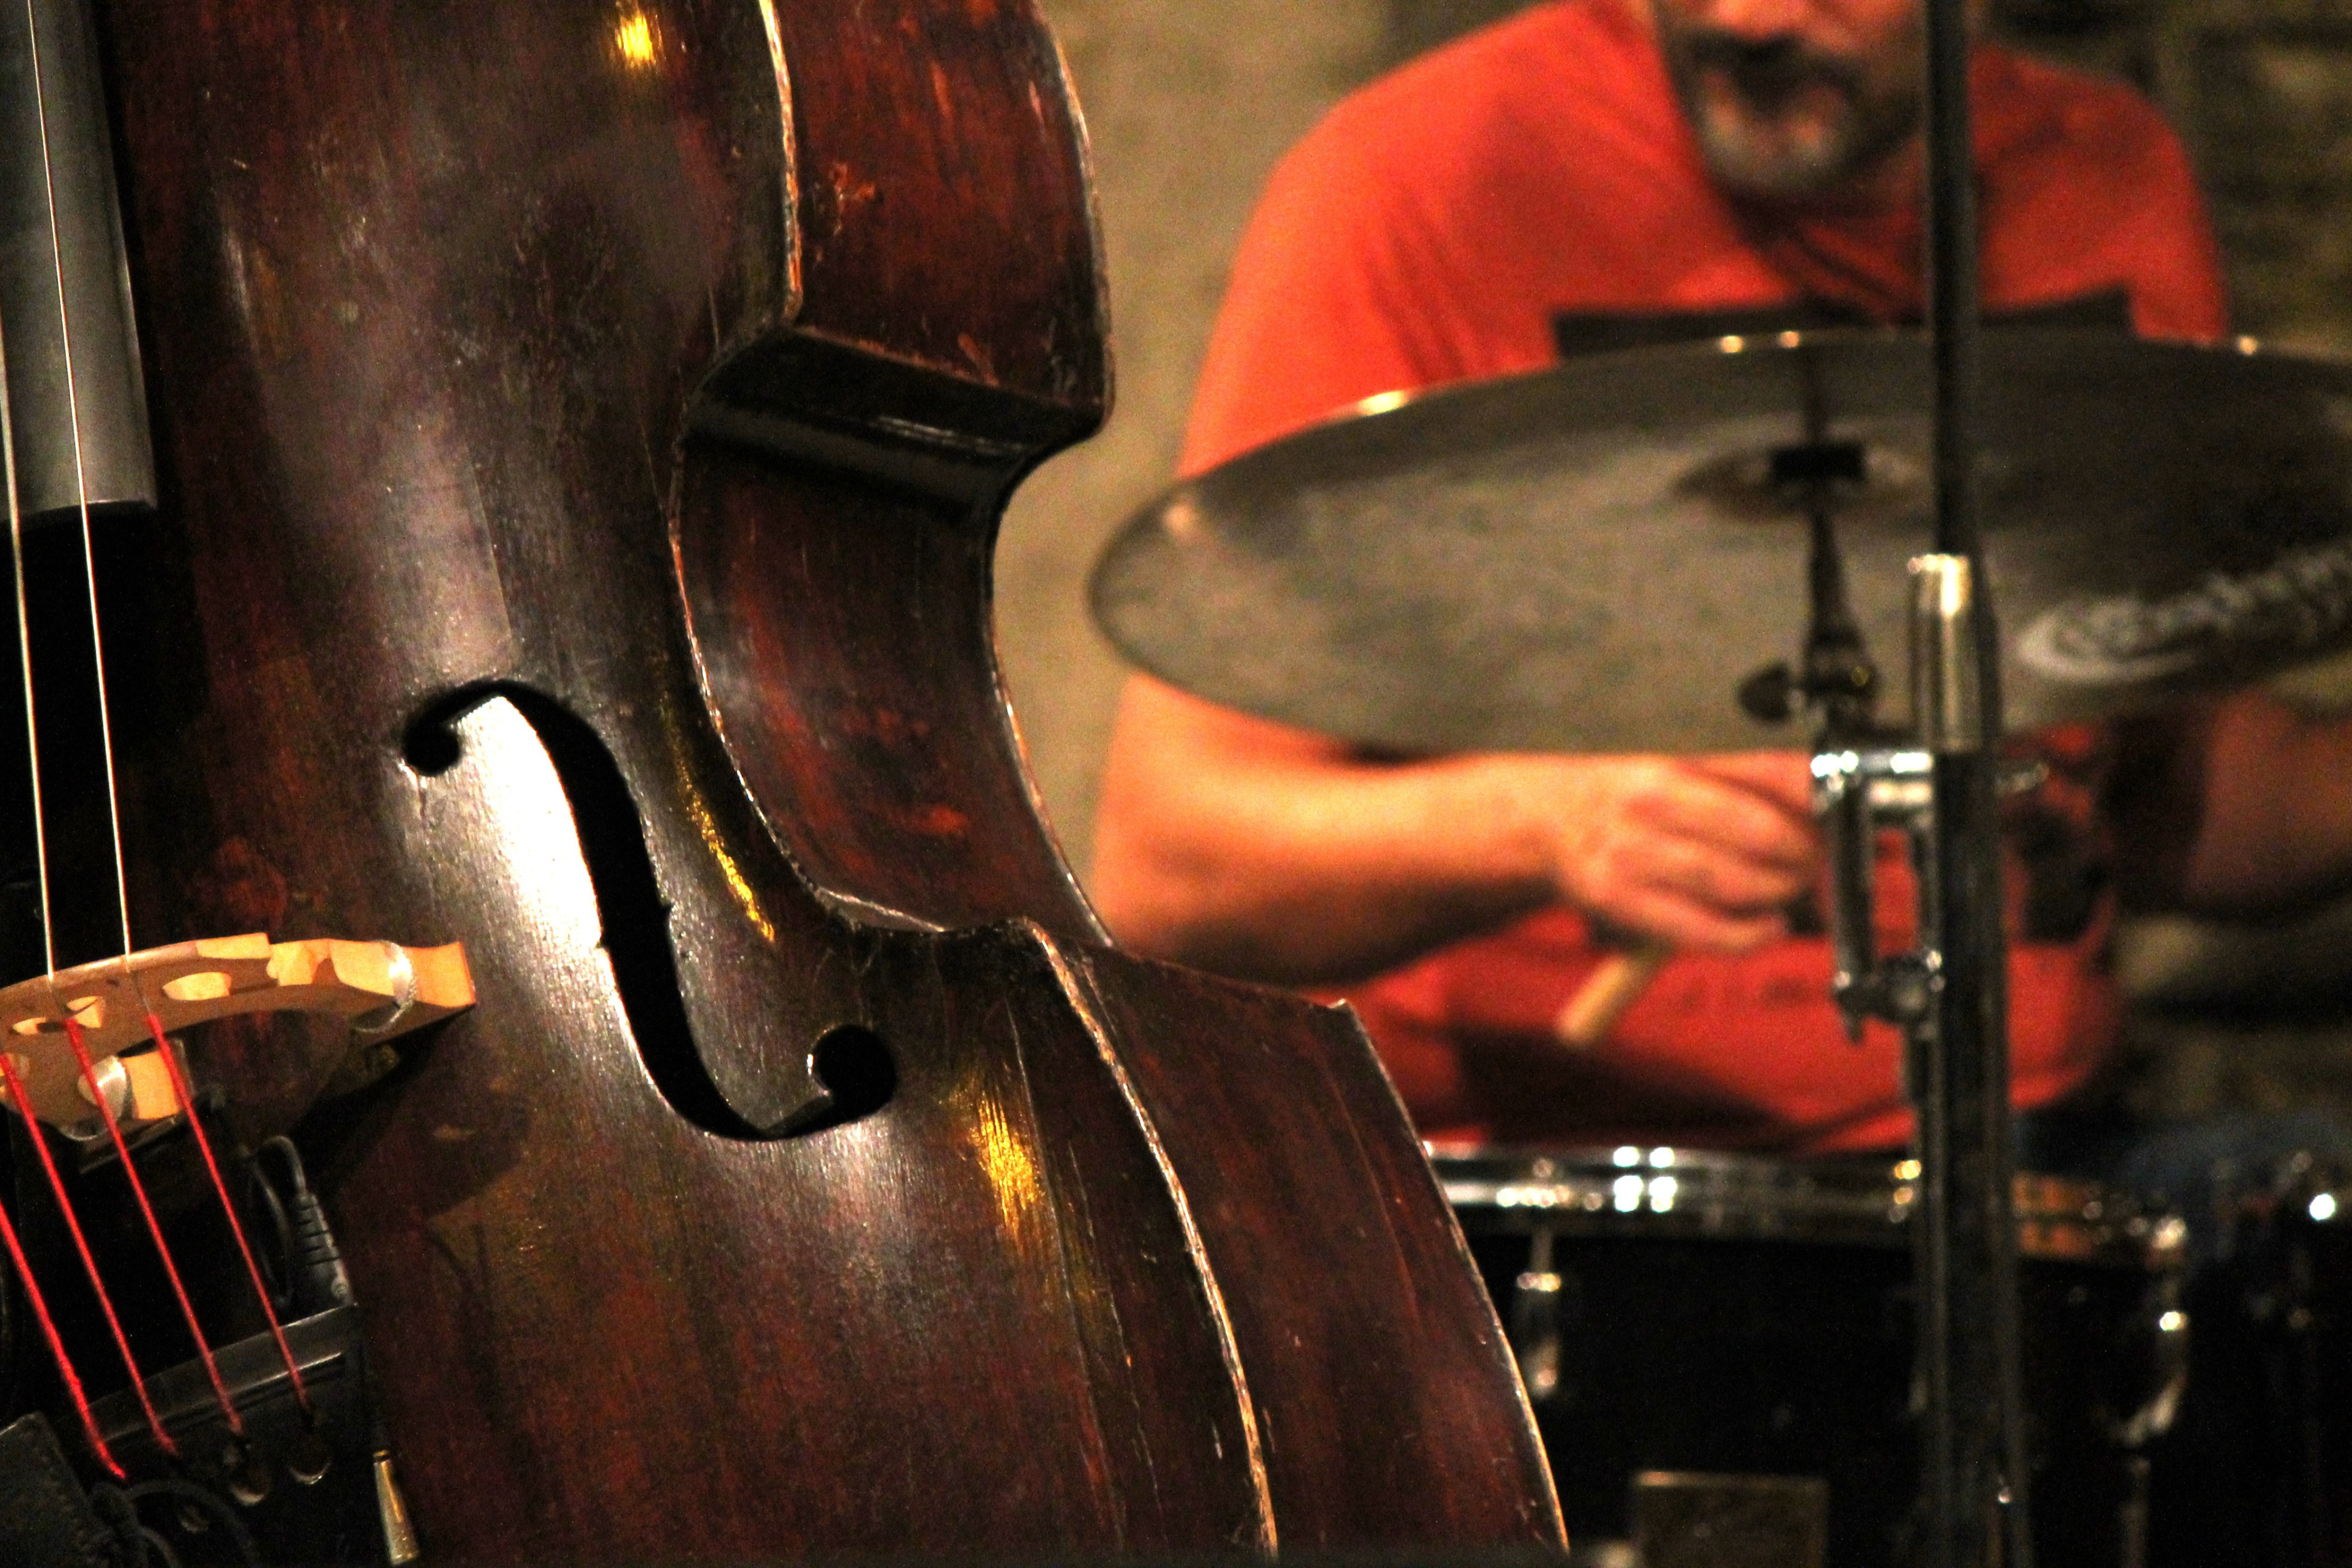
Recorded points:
(1684, 1312)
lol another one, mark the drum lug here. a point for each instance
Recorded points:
(2168, 1322)
(1535, 1320)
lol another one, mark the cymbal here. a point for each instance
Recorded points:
(1592, 558)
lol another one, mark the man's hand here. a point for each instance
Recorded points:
(1270, 853)
(1701, 853)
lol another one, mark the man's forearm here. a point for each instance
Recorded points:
(2274, 826)
(1263, 851)
(1301, 873)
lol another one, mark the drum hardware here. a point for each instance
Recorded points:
(2257, 1469)
(1858, 793)
(1686, 1520)
(1696, 1312)
(1898, 786)
(2168, 1320)
(1850, 1201)
(1864, 983)
(1534, 1319)
(1947, 995)
(1848, 785)
(1839, 681)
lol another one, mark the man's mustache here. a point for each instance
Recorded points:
(1768, 71)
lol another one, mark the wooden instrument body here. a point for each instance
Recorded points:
(583, 429)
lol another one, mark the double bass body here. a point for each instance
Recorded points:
(581, 431)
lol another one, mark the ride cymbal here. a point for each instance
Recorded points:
(1592, 557)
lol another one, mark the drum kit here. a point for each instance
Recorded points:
(1680, 549)
(1685, 548)
(1665, 549)
(1691, 1323)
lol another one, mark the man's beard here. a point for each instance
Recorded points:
(1777, 118)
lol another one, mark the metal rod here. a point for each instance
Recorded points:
(1952, 304)
(1974, 1504)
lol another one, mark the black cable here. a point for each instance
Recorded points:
(278, 1264)
(315, 1279)
(134, 1544)
(222, 1514)
(283, 1147)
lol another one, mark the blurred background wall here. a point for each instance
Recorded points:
(1190, 102)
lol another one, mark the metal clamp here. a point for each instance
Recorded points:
(1856, 794)
(1947, 687)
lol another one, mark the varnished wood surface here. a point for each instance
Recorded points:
(1390, 1408)
(449, 629)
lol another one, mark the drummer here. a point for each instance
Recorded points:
(1566, 179)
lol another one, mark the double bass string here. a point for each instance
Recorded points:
(13, 1082)
(25, 662)
(154, 1228)
(82, 493)
(15, 1086)
(41, 1313)
(114, 826)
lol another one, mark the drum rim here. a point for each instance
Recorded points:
(1837, 1200)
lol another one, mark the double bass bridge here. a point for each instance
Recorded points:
(122, 1006)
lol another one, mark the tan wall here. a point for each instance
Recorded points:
(1189, 103)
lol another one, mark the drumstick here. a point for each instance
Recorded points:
(1606, 993)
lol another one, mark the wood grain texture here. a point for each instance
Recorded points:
(580, 465)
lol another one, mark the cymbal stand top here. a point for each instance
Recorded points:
(1839, 680)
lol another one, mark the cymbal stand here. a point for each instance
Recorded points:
(1937, 784)
(1974, 1505)
(1867, 779)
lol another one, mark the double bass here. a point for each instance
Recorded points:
(579, 430)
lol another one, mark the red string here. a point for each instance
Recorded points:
(50, 1329)
(220, 1188)
(24, 1104)
(162, 1247)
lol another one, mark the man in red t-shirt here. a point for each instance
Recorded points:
(1595, 160)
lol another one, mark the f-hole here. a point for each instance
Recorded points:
(634, 922)
(858, 1073)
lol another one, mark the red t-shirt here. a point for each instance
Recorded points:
(1430, 230)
